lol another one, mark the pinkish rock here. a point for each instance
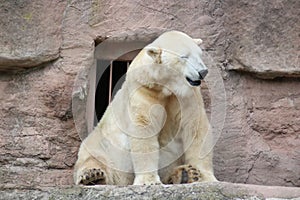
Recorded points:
(30, 33)
(263, 37)
(260, 140)
(39, 138)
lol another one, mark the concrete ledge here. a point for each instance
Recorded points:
(214, 191)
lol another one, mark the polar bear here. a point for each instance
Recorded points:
(156, 128)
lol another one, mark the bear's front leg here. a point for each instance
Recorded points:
(198, 145)
(147, 116)
(145, 157)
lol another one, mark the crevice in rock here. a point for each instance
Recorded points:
(163, 12)
(257, 156)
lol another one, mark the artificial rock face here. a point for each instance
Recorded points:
(55, 41)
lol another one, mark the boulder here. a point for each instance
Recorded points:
(30, 33)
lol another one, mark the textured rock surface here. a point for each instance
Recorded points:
(212, 191)
(38, 138)
(263, 37)
(260, 142)
(204, 191)
(30, 32)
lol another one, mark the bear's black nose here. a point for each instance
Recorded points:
(203, 73)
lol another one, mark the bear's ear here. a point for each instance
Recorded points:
(155, 54)
(198, 41)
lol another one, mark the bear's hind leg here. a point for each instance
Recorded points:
(90, 172)
(92, 177)
(185, 174)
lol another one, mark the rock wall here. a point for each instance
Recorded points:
(47, 45)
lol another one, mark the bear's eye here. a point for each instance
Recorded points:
(184, 57)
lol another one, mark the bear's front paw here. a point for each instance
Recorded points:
(92, 177)
(148, 179)
(185, 174)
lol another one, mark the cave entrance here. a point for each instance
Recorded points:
(110, 81)
(112, 57)
(107, 76)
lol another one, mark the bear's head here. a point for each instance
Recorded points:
(172, 57)
(179, 51)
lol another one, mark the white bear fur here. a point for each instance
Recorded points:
(156, 121)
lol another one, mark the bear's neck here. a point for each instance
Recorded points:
(156, 91)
